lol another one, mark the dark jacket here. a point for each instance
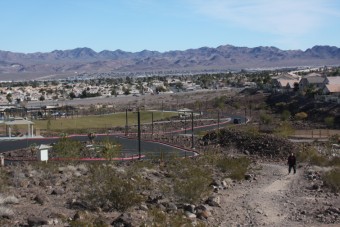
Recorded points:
(291, 160)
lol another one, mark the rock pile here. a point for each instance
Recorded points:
(248, 143)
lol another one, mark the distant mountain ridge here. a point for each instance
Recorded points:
(225, 57)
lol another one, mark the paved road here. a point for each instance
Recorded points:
(129, 145)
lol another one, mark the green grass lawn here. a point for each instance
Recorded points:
(104, 121)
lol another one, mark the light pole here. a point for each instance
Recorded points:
(152, 123)
(192, 130)
(139, 139)
(218, 120)
(185, 123)
(126, 122)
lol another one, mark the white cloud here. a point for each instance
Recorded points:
(277, 17)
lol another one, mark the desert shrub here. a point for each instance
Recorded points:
(335, 161)
(190, 181)
(3, 181)
(67, 148)
(236, 168)
(285, 115)
(285, 129)
(157, 217)
(265, 118)
(252, 130)
(311, 156)
(306, 154)
(329, 121)
(318, 160)
(332, 180)
(108, 190)
(301, 116)
(110, 149)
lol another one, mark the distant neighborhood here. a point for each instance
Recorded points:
(321, 83)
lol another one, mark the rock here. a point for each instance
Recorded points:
(214, 201)
(227, 182)
(57, 191)
(190, 208)
(124, 220)
(24, 183)
(315, 187)
(189, 215)
(161, 207)
(6, 213)
(41, 199)
(201, 208)
(80, 215)
(36, 221)
(144, 207)
(203, 214)
(171, 207)
(248, 176)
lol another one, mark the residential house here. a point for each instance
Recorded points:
(285, 84)
(313, 80)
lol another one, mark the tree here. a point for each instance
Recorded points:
(72, 95)
(9, 97)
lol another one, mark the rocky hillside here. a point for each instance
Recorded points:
(225, 57)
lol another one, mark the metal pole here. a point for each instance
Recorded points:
(192, 130)
(218, 120)
(185, 123)
(139, 151)
(126, 123)
(151, 123)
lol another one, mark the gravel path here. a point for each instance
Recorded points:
(270, 199)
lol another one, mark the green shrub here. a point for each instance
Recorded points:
(306, 154)
(332, 179)
(285, 115)
(329, 121)
(236, 168)
(301, 116)
(67, 148)
(285, 129)
(190, 180)
(266, 119)
(3, 181)
(110, 149)
(318, 160)
(108, 190)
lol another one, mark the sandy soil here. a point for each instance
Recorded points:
(274, 198)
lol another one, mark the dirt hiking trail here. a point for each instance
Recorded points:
(270, 199)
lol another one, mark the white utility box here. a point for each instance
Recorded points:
(43, 152)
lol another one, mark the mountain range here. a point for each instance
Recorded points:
(226, 57)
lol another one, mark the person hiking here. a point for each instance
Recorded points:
(291, 163)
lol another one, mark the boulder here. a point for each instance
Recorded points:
(41, 199)
(57, 191)
(37, 221)
(214, 201)
(124, 220)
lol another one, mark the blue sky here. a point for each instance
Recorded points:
(134, 25)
